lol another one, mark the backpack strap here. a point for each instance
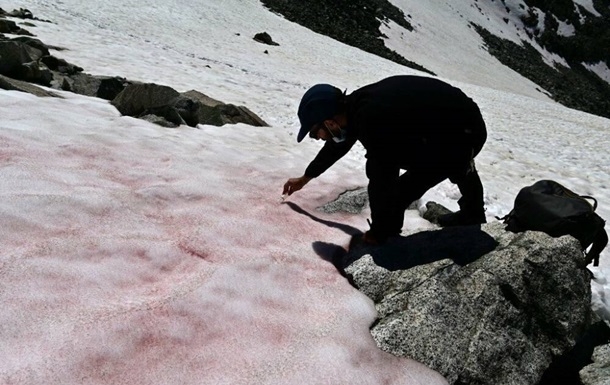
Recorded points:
(593, 199)
(599, 243)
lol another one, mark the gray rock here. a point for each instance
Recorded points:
(598, 373)
(477, 303)
(105, 87)
(159, 121)
(264, 38)
(8, 26)
(21, 13)
(14, 54)
(34, 43)
(198, 108)
(434, 211)
(35, 72)
(60, 65)
(135, 99)
(351, 201)
(7, 83)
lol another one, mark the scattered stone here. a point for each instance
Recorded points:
(434, 211)
(159, 121)
(265, 38)
(21, 13)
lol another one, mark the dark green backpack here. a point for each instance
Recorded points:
(552, 208)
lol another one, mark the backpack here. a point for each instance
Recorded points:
(552, 208)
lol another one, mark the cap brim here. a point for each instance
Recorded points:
(302, 134)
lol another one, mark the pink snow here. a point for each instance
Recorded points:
(136, 254)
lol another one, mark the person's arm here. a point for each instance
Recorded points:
(328, 155)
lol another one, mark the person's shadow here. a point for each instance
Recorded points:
(462, 244)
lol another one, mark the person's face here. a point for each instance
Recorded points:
(323, 130)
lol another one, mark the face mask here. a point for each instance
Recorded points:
(342, 136)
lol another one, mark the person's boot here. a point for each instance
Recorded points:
(472, 211)
(461, 218)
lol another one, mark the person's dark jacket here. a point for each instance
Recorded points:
(412, 123)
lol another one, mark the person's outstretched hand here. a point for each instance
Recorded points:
(295, 184)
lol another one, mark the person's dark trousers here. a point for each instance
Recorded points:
(413, 185)
(471, 203)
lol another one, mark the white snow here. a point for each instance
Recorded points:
(600, 69)
(133, 253)
(588, 5)
(565, 29)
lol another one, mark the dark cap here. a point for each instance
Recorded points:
(319, 103)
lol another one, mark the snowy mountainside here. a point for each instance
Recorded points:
(560, 48)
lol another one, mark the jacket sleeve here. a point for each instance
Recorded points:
(328, 155)
(386, 213)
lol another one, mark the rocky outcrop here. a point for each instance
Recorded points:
(477, 303)
(356, 23)
(29, 59)
(21, 13)
(190, 108)
(9, 26)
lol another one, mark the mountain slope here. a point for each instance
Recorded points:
(563, 47)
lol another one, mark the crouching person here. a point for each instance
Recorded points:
(421, 125)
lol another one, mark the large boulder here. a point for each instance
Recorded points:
(197, 108)
(138, 99)
(9, 26)
(21, 59)
(60, 65)
(14, 54)
(34, 43)
(190, 108)
(477, 303)
(105, 87)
